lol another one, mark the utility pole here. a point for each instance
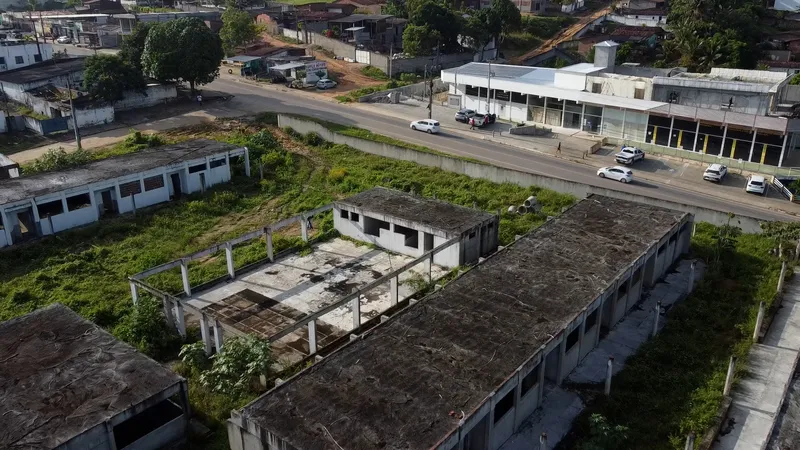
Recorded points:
(391, 51)
(488, 87)
(33, 25)
(430, 83)
(74, 119)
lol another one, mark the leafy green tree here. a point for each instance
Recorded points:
(506, 17)
(238, 29)
(146, 329)
(603, 435)
(132, 46)
(183, 50)
(477, 30)
(420, 40)
(396, 8)
(441, 22)
(234, 369)
(108, 77)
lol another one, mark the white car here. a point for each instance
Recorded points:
(64, 40)
(326, 84)
(429, 126)
(629, 155)
(618, 173)
(715, 172)
(480, 120)
(756, 184)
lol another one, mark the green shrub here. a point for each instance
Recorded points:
(313, 139)
(57, 159)
(260, 143)
(146, 329)
(337, 174)
(374, 73)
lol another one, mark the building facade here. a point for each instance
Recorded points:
(19, 54)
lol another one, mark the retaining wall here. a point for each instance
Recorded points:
(502, 175)
(412, 90)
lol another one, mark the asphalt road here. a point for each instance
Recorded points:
(249, 98)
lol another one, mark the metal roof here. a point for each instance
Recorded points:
(360, 17)
(288, 66)
(242, 58)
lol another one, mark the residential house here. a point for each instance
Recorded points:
(364, 6)
(648, 36)
(15, 54)
(652, 17)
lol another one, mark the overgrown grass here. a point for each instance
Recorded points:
(673, 385)
(374, 73)
(286, 39)
(544, 27)
(354, 95)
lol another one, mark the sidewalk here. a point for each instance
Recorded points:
(758, 397)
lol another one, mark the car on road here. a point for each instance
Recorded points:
(64, 40)
(463, 115)
(326, 84)
(480, 120)
(618, 173)
(715, 172)
(756, 184)
(489, 118)
(629, 155)
(428, 126)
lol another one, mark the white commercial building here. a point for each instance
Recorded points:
(413, 225)
(50, 202)
(17, 54)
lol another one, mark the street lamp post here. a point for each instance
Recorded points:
(489, 75)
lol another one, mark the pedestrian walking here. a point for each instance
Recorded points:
(200, 100)
(310, 226)
(471, 123)
(558, 150)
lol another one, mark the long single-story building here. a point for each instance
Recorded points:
(412, 225)
(466, 366)
(65, 383)
(49, 202)
(560, 98)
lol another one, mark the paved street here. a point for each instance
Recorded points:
(249, 99)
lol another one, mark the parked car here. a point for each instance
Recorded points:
(326, 84)
(277, 79)
(64, 40)
(463, 115)
(629, 155)
(296, 84)
(756, 184)
(715, 172)
(489, 119)
(480, 120)
(621, 174)
(429, 126)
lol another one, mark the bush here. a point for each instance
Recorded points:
(146, 329)
(374, 73)
(58, 159)
(409, 78)
(313, 139)
(235, 369)
(260, 143)
(137, 141)
(337, 174)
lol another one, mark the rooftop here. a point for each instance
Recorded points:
(43, 70)
(398, 383)
(27, 187)
(427, 211)
(361, 17)
(640, 32)
(362, 2)
(62, 375)
(644, 12)
(728, 79)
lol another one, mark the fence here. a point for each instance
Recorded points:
(503, 175)
(708, 158)
(784, 190)
(48, 126)
(416, 90)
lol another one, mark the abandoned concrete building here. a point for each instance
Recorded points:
(67, 384)
(464, 367)
(412, 225)
(50, 202)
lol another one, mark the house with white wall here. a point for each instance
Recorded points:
(16, 54)
(412, 225)
(50, 202)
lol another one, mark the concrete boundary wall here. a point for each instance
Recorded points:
(503, 175)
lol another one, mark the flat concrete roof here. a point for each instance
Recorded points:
(398, 383)
(25, 187)
(62, 375)
(412, 208)
(43, 70)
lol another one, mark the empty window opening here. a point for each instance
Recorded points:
(572, 338)
(597, 88)
(530, 380)
(637, 275)
(673, 238)
(19, 60)
(78, 202)
(491, 225)
(145, 423)
(344, 214)
(591, 319)
(472, 235)
(373, 226)
(411, 235)
(49, 209)
(197, 168)
(623, 289)
(428, 242)
(153, 183)
(638, 93)
(354, 217)
(216, 163)
(504, 406)
(661, 249)
(130, 188)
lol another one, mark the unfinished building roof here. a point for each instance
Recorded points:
(43, 71)
(426, 211)
(26, 187)
(62, 375)
(395, 387)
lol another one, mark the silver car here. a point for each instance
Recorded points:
(463, 115)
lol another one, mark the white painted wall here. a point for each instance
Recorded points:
(18, 56)
(98, 115)
(622, 87)
(157, 94)
(787, 5)
(638, 21)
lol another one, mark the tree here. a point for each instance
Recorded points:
(183, 50)
(397, 8)
(604, 436)
(233, 370)
(506, 17)
(238, 29)
(132, 46)
(439, 19)
(477, 31)
(146, 329)
(108, 77)
(420, 40)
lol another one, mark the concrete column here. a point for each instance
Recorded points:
(669, 137)
(656, 317)
(609, 373)
(204, 333)
(7, 227)
(690, 441)
(583, 115)
(134, 293)
(180, 319)
(229, 260)
(562, 352)
(782, 277)
(581, 333)
(355, 305)
(544, 117)
(304, 228)
(690, 284)
(729, 377)
(783, 150)
(185, 277)
(394, 291)
(563, 112)
(599, 323)
(759, 321)
(112, 442)
(312, 337)
(218, 338)
(268, 239)
(724, 136)
(427, 268)
(613, 299)
(168, 311)
(93, 202)
(752, 146)
(541, 379)
(246, 162)
(543, 441)
(696, 135)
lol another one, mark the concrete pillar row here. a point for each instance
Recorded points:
(204, 333)
(394, 290)
(218, 338)
(312, 337)
(304, 228)
(187, 288)
(180, 319)
(355, 305)
(134, 293)
(229, 260)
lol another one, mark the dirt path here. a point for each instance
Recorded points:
(565, 35)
